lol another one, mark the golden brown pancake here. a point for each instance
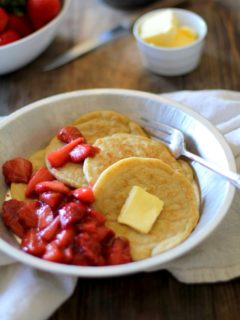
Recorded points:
(178, 217)
(123, 145)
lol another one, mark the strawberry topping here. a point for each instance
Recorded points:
(68, 134)
(17, 170)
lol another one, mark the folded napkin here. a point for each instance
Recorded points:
(27, 294)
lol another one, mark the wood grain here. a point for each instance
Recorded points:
(155, 296)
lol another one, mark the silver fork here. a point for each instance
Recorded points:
(174, 139)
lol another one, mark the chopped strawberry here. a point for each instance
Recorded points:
(32, 243)
(54, 253)
(28, 213)
(84, 194)
(3, 19)
(51, 230)
(97, 215)
(11, 218)
(91, 249)
(103, 234)
(79, 258)
(68, 134)
(118, 252)
(52, 198)
(20, 24)
(68, 255)
(55, 186)
(45, 216)
(17, 170)
(59, 157)
(83, 151)
(8, 36)
(65, 238)
(41, 175)
(70, 213)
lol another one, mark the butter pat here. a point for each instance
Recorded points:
(140, 210)
(163, 29)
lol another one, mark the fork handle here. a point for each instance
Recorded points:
(232, 177)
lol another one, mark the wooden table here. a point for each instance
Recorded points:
(152, 295)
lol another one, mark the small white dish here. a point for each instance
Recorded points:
(21, 52)
(31, 128)
(172, 61)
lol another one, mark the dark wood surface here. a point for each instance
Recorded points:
(153, 295)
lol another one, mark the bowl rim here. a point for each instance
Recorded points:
(166, 49)
(66, 5)
(152, 263)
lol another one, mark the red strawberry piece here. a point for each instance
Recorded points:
(41, 175)
(68, 255)
(55, 186)
(8, 36)
(29, 214)
(65, 238)
(91, 249)
(84, 194)
(32, 243)
(83, 151)
(17, 170)
(88, 226)
(97, 215)
(20, 24)
(45, 216)
(61, 156)
(42, 11)
(51, 230)
(51, 198)
(70, 213)
(68, 134)
(3, 19)
(10, 216)
(104, 234)
(54, 253)
(79, 258)
(118, 252)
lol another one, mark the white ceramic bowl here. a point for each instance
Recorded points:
(172, 61)
(19, 53)
(31, 127)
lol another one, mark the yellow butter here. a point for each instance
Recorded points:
(140, 210)
(163, 29)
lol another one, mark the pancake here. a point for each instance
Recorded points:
(178, 217)
(92, 125)
(17, 190)
(98, 124)
(122, 145)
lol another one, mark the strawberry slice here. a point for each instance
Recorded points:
(79, 258)
(68, 134)
(41, 175)
(54, 253)
(68, 255)
(52, 198)
(28, 214)
(59, 157)
(11, 218)
(3, 19)
(51, 230)
(118, 252)
(65, 238)
(17, 170)
(83, 151)
(32, 243)
(70, 213)
(91, 249)
(98, 216)
(84, 194)
(55, 186)
(45, 216)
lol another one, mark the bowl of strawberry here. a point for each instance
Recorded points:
(27, 27)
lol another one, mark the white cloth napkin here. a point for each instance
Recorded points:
(27, 294)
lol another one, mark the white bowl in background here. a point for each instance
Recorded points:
(21, 52)
(31, 127)
(172, 61)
